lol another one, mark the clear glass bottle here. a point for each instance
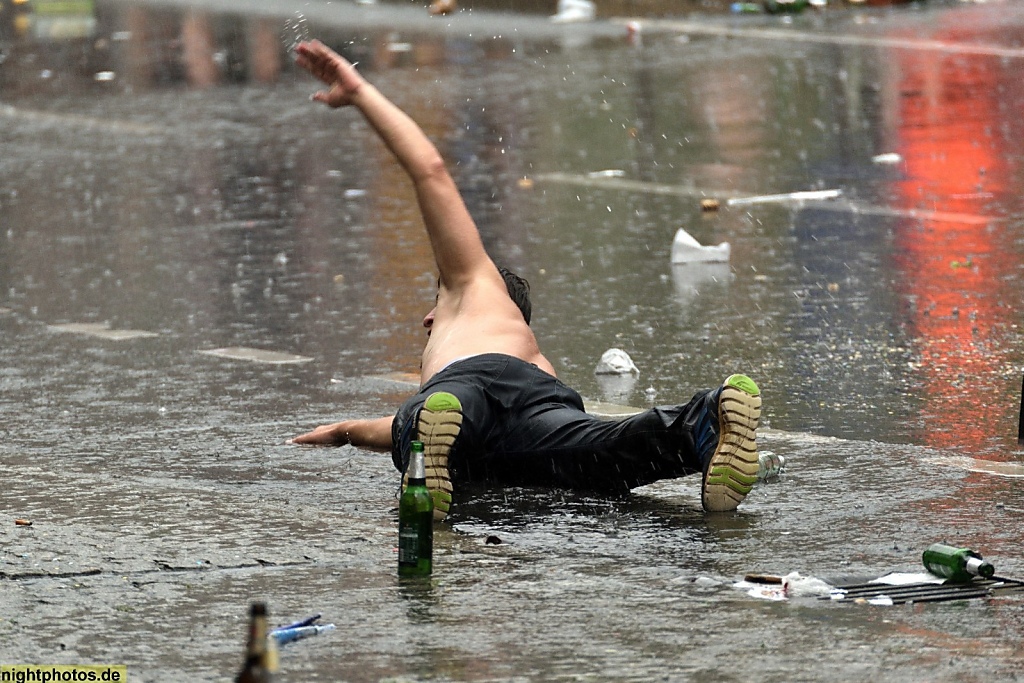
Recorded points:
(769, 465)
(956, 564)
(416, 519)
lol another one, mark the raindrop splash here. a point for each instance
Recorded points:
(295, 31)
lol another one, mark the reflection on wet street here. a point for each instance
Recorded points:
(196, 264)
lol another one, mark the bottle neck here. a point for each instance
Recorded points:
(258, 635)
(978, 567)
(417, 468)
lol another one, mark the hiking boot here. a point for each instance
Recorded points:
(439, 424)
(730, 470)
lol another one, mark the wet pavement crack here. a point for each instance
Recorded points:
(162, 567)
(14, 576)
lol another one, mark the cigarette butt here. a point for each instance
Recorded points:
(23, 522)
(762, 578)
(709, 205)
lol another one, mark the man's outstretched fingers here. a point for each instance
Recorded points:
(324, 435)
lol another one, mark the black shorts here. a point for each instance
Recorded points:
(521, 426)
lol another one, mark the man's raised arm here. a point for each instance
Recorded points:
(458, 249)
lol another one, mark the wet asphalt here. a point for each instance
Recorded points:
(197, 264)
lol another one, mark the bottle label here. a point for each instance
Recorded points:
(408, 544)
(940, 570)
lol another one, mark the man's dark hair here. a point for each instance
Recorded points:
(519, 291)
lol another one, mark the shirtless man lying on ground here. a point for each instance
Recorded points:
(489, 407)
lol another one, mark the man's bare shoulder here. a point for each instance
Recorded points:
(481, 327)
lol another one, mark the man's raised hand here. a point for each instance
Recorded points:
(331, 68)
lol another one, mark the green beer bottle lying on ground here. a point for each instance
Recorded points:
(785, 6)
(956, 564)
(416, 520)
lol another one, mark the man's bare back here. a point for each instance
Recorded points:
(483, 319)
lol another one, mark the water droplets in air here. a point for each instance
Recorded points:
(295, 31)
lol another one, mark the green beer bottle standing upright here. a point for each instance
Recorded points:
(955, 564)
(416, 519)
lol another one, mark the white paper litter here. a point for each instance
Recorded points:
(793, 585)
(686, 249)
(574, 10)
(906, 578)
(103, 331)
(257, 355)
(807, 195)
(796, 586)
(763, 591)
(887, 158)
(616, 362)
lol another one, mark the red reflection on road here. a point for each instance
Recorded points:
(948, 116)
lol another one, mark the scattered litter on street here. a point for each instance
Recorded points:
(806, 196)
